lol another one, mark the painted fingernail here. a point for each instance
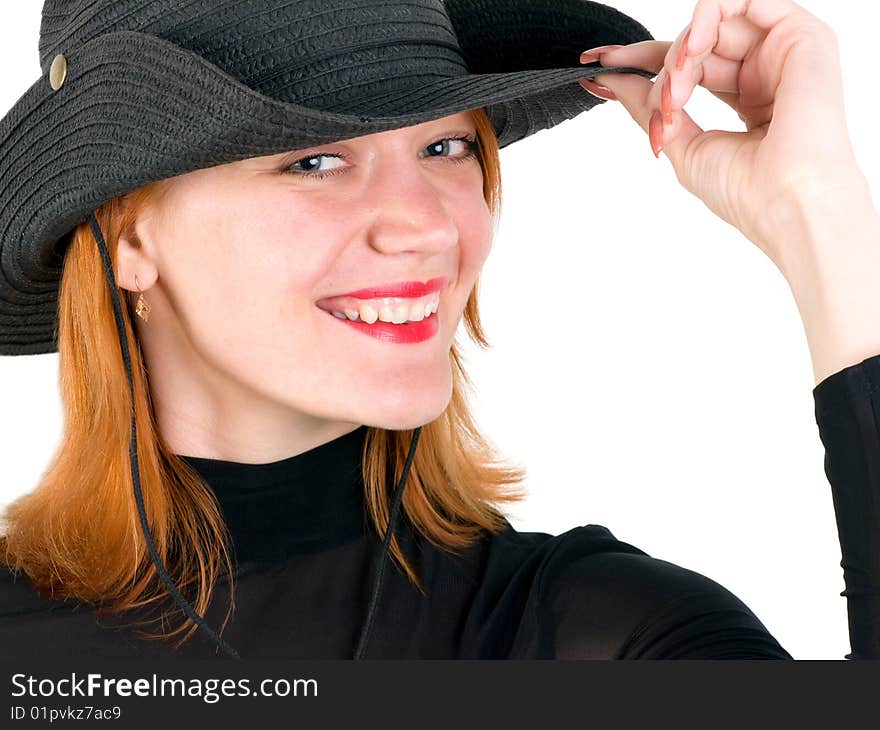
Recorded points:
(682, 51)
(655, 133)
(603, 92)
(666, 99)
(592, 54)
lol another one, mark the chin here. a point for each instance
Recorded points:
(405, 410)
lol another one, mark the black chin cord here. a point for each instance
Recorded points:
(367, 629)
(132, 451)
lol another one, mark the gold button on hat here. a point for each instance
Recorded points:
(58, 71)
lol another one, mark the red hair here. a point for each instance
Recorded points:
(78, 534)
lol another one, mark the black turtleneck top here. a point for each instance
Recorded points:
(305, 560)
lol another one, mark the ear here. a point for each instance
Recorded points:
(134, 258)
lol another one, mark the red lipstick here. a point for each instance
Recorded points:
(399, 289)
(408, 333)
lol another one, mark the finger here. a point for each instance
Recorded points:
(647, 55)
(737, 37)
(708, 16)
(717, 69)
(718, 75)
(802, 53)
(634, 92)
(737, 33)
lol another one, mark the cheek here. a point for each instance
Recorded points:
(232, 270)
(475, 238)
(285, 238)
(282, 252)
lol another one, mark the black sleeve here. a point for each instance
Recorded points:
(847, 406)
(608, 599)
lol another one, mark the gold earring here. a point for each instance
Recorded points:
(142, 309)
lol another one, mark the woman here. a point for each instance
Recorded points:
(284, 395)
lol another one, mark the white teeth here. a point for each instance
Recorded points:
(385, 314)
(368, 314)
(401, 314)
(395, 315)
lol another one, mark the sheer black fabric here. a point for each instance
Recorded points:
(305, 555)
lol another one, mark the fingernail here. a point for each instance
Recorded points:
(592, 54)
(603, 92)
(666, 99)
(682, 51)
(655, 133)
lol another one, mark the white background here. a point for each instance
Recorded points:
(648, 362)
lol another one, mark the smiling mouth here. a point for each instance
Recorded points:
(392, 310)
(405, 323)
(402, 331)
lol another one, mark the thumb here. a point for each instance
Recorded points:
(635, 93)
(700, 168)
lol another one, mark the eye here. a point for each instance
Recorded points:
(469, 145)
(312, 163)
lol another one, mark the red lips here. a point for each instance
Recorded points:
(401, 289)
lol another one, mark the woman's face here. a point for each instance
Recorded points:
(233, 262)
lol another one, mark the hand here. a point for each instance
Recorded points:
(778, 67)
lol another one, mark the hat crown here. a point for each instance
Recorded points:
(328, 54)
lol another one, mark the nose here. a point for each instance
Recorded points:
(409, 212)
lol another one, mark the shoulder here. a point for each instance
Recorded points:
(31, 623)
(18, 595)
(594, 596)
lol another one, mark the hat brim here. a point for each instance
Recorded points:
(64, 153)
